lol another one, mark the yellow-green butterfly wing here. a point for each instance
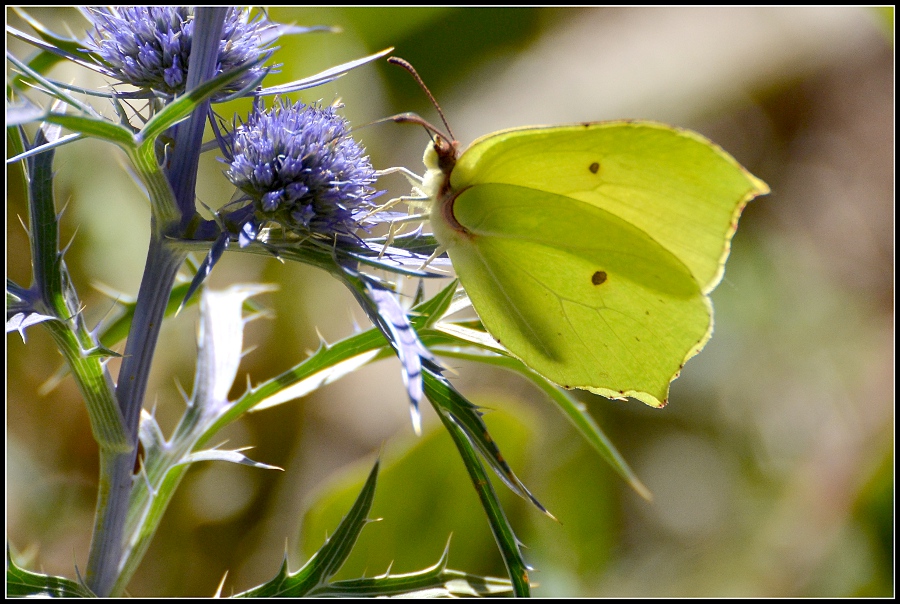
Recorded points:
(589, 250)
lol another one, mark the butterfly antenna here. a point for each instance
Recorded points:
(405, 118)
(412, 70)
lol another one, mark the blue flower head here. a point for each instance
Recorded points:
(302, 169)
(149, 46)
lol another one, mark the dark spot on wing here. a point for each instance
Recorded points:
(594, 168)
(598, 278)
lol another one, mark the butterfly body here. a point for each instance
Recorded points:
(589, 250)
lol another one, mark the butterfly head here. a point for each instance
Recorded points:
(446, 152)
(440, 158)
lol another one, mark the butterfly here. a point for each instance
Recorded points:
(589, 250)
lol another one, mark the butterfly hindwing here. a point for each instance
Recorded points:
(577, 293)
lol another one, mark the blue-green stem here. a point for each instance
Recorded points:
(116, 471)
(182, 174)
(172, 202)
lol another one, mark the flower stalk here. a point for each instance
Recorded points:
(160, 270)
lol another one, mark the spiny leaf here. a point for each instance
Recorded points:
(329, 559)
(500, 527)
(447, 400)
(322, 77)
(19, 321)
(383, 309)
(234, 456)
(573, 410)
(23, 583)
(435, 581)
(333, 361)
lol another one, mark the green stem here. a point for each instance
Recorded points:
(58, 298)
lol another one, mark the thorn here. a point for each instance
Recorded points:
(24, 226)
(184, 395)
(65, 250)
(143, 473)
(218, 593)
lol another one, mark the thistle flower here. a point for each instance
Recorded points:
(149, 47)
(302, 169)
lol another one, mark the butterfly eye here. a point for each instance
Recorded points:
(446, 152)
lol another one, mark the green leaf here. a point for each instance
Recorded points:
(507, 542)
(589, 251)
(43, 62)
(451, 339)
(25, 584)
(184, 104)
(467, 417)
(94, 127)
(54, 294)
(333, 361)
(437, 581)
(328, 374)
(312, 579)
(573, 410)
(233, 456)
(424, 495)
(52, 89)
(329, 559)
(69, 46)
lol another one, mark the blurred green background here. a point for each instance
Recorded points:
(771, 469)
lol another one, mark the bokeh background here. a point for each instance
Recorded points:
(772, 468)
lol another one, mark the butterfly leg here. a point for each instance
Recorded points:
(397, 224)
(413, 178)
